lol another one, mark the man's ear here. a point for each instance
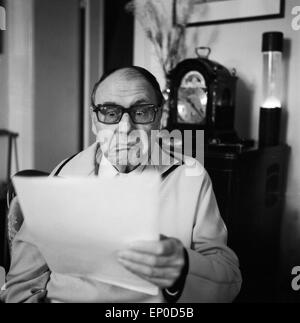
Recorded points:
(161, 121)
(94, 120)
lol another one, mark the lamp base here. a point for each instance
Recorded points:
(269, 126)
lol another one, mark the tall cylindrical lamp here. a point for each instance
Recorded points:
(270, 111)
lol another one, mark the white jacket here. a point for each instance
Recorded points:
(188, 211)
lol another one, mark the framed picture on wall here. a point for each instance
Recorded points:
(208, 12)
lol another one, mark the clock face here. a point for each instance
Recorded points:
(192, 99)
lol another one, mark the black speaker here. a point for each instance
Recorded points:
(269, 127)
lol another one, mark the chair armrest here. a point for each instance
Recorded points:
(2, 276)
(14, 220)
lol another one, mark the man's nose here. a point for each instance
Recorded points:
(125, 125)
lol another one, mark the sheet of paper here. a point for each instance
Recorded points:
(79, 224)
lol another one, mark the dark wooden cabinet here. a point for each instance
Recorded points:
(250, 186)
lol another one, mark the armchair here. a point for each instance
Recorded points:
(14, 214)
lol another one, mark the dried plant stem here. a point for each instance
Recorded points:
(168, 40)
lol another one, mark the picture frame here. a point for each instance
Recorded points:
(211, 12)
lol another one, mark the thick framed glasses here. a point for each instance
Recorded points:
(139, 114)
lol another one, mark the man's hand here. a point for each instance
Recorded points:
(159, 262)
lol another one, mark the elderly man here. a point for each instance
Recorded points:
(190, 263)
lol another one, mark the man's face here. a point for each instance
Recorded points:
(125, 144)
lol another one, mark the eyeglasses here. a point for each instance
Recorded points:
(112, 114)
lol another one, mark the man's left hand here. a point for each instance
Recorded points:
(159, 262)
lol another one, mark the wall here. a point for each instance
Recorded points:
(3, 104)
(238, 45)
(39, 80)
(3, 77)
(95, 58)
(108, 25)
(18, 83)
(3, 84)
(56, 81)
(57, 77)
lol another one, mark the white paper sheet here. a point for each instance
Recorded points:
(79, 224)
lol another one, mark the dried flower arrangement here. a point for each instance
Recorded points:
(157, 21)
(168, 38)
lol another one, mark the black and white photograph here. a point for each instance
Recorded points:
(149, 154)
